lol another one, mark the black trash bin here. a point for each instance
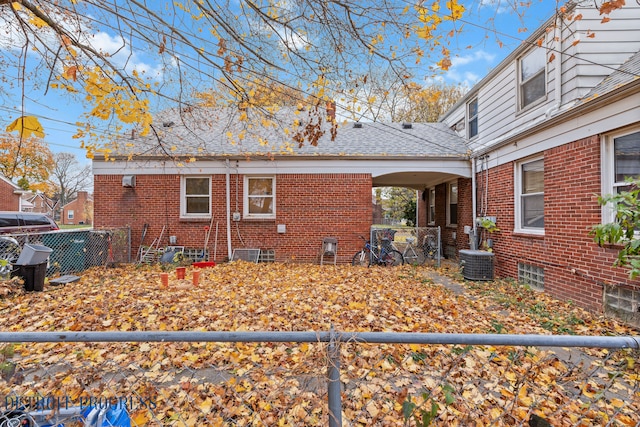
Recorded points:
(33, 276)
(32, 266)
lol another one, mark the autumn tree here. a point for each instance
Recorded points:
(28, 161)
(126, 60)
(427, 103)
(399, 203)
(68, 177)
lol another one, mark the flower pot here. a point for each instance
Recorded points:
(196, 277)
(164, 279)
(180, 272)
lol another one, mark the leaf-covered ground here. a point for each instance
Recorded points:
(283, 384)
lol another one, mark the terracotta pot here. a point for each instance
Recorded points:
(164, 279)
(196, 277)
(180, 272)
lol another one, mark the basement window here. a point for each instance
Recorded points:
(531, 275)
(622, 299)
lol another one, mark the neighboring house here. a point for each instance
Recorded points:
(10, 195)
(40, 203)
(531, 144)
(78, 211)
(550, 128)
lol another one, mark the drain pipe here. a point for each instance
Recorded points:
(473, 241)
(228, 195)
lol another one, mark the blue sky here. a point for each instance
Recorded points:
(474, 53)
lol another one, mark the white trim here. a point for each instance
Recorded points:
(607, 170)
(183, 198)
(520, 82)
(431, 201)
(245, 207)
(449, 185)
(517, 198)
(457, 167)
(469, 118)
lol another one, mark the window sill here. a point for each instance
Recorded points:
(527, 234)
(194, 219)
(257, 219)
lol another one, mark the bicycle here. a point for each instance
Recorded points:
(410, 255)
(429, 247)
(379, 256)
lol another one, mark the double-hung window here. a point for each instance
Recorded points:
(452, 204)
(532, 77)
(432, 206)
(472, 118)
(529, 192)
(621, 160)
(195, 200)
(260, 197)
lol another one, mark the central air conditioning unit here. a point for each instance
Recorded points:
(476, 265)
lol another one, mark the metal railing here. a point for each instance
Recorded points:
(353, 378)
(77, 250)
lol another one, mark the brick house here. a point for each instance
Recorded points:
(10, 195)
(531, 145)
(78, 211)
(547, 136)
(256, 196)
(40, 203)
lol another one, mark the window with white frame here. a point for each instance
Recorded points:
(432, 206)
(621, 159)
(529, 206)
(70, 214)
(452, 203)
(532, 77)
(195, 200)
(259, 197)
(472, 118)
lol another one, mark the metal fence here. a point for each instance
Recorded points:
(418, 245)
(322, 378)
(75, 250)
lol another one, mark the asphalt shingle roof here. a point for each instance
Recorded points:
(206, 133)
(625, 74)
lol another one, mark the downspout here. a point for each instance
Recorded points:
(557, 71)
(228, 196)
(474, 211)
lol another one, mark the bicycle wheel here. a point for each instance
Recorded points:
(9, 253)
(412, 257)
(429, 252)
(361, 258)
(392, 259)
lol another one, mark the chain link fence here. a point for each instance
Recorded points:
(418, 245)
(324, 378)
(73, 251)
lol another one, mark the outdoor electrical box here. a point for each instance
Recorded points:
(236, 216)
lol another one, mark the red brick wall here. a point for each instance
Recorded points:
(310, 206)
(8, 200)
(574, 267)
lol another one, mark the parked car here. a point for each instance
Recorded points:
(25, 222)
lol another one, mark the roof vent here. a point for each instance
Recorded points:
(168, 124)
(357, 125)
(407, 125)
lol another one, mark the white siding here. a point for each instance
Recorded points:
(583, 66)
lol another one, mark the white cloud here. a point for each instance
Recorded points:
(464, 69)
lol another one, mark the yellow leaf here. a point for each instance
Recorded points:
(206, 405)
(26, 126)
